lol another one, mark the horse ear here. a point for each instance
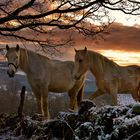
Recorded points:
(17, 47)
(75, 50)
(7, 47)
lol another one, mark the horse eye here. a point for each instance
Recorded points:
(80, 60)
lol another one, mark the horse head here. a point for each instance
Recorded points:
(81, 63)
(12, 56)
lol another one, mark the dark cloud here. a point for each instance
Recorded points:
(123, 38)
(119, 37)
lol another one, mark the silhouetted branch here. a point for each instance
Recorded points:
(42, 16)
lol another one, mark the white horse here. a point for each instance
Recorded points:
(45, 75)
(110, 77)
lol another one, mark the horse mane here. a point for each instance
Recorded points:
(103, 62)
(27, 52)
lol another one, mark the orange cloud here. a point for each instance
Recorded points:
(123, 38)
(119, 38)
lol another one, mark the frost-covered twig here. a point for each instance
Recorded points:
(134, 135)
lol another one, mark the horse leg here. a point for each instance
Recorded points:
(73, 101)
(44, 102)
(139, 92)
(38, 99)
(73, 93)
(135, 94)
(113, 90)
(114, 98)
(80, 95)
(96, 94)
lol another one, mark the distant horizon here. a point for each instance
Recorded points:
(123, 58)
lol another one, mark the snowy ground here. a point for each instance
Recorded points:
(90, 122)
(125, 99)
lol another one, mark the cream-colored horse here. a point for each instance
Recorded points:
(45, 75)
(110, 77)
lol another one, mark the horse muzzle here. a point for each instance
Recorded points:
(11, 73)
(77, 77)
(12, 68)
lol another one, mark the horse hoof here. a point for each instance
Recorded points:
(91, 98)
(71, 110)
(46, 119)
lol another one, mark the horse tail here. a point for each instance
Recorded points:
(139, 82)
(80, 95)
(139, 90)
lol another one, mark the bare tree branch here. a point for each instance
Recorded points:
(41, 17)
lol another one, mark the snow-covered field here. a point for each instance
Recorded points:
(89, 123)
(125, 99)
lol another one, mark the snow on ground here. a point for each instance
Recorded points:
(125, 99)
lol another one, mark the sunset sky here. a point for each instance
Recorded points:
(121, 44)
(126, 48)
(125, 44)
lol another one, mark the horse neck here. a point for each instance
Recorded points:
(23, 62)
(100, 65)
(95, 67)
(26, 60)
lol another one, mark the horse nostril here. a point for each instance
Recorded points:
(76, 77)
(10, 73)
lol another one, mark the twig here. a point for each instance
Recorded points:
(134, 135)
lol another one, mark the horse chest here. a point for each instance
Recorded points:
(60, 86)
(61, 79)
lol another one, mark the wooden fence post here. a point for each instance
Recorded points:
(22, 96)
